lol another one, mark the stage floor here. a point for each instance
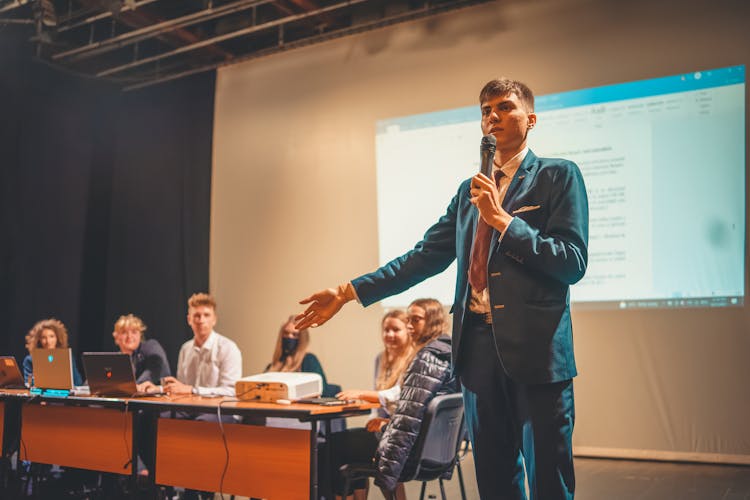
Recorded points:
(602, 479)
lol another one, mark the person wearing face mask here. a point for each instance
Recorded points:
(290, 354)
(47, 334)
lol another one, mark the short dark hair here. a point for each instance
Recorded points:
(502, 86)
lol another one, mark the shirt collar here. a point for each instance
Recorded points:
(208, 344)
(510, 167)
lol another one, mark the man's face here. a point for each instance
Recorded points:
(128, 339)
(507, 118)
(202, 320)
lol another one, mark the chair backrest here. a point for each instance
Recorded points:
(440, 436)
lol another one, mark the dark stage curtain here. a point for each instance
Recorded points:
(105, 201)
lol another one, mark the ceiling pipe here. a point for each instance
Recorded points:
(228, 36)
(98, 17)
(152, 31)
(397, 18)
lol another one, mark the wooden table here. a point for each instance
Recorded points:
(260, 461)
(85, 437)
(249, 460)
(10, 420)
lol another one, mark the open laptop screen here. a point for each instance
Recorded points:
(109, 373)
(10, 375)
(53, 368)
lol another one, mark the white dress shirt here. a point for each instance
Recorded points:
(387, 397)
(479, 302)
(212, 368)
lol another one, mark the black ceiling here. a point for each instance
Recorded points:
(136, 43)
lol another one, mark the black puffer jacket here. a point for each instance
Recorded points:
(428, 375)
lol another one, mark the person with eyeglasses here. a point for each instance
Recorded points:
(389, 444)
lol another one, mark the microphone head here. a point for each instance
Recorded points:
(489, 143)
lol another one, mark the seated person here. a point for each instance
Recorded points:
(147, 355)
(290, 354)
(210, 363)
(390, 365)
(46, 334)
(428, 374)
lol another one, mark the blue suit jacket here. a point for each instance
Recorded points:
(530, 270)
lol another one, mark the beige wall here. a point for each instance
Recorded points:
(294, 202)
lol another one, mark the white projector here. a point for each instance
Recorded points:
(271, 386)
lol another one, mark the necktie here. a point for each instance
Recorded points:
(481, 249)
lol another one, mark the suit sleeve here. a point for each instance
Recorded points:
(155, 364)
(560, 249)
(77, 378)
(429, 257)
(28, 370)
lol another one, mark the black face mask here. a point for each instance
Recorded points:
(288, 346)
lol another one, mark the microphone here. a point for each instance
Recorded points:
(487, 154)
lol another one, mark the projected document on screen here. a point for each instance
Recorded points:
(664, 166)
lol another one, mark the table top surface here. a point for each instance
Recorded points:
(228, 405)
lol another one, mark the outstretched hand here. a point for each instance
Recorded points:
(323, 306)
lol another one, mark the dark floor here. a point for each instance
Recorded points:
(605, 479)
(608, 479)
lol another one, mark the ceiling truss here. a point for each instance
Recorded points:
(137, 43)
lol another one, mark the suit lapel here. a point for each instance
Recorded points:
(521, 178)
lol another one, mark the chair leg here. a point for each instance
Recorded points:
(461, 480)
(424, 487)
(442, 488)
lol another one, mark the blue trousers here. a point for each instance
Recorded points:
(518, 431)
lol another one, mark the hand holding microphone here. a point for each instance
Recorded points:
(487, 154)
(483, 184)
(483, 192)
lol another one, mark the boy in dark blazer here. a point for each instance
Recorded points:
(520, 240)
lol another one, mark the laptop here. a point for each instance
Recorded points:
(111, 374)
(53, 369)
(10, 375)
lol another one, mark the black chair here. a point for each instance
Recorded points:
(436, 448)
